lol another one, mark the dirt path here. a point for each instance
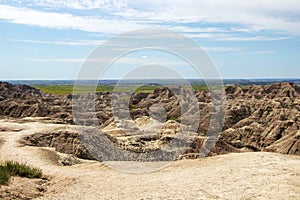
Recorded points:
(232, 176)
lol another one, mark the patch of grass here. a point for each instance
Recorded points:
(245, 86)
(173, 117)
(133, 106)
(4, 175)
(200, 87)
(148, 88)
(12, 168)
(68, 89)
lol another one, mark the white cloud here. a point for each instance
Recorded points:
(82, 4)
(65, 21)
(249, 39)
(279, 16)
(222, 49)
(131, 61)
(65, 43)
(188, 29)
(68, 60)
(256, 52)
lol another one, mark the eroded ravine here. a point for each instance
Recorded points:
(259, 175)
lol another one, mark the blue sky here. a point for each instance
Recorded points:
(50, 39)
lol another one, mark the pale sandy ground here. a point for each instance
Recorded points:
(232, 176)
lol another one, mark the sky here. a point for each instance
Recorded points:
(51, 39)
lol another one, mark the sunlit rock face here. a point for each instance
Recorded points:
(258, 118)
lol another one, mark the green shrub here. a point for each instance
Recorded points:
(4, 175)
(12, 168)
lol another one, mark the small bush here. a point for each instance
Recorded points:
(4, 175)
(12, 168)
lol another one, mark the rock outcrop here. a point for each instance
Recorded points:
(64, 141)
(258, 118)
(24, 101)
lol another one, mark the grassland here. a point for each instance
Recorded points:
(68, 89)
(11, 168)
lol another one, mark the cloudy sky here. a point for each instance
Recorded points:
(50, 39)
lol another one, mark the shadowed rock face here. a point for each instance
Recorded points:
(259, 118)
(65, 141)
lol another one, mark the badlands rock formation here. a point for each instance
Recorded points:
(20, 101)
(259, 175)
(258, 118)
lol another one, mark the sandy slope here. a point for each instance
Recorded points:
(232, 176)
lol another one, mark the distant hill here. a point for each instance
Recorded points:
(155, 81)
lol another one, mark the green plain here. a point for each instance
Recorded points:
(70, 89)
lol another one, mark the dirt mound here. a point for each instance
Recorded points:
(23, 189)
